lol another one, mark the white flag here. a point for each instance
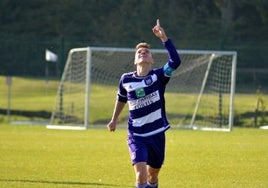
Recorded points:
(50, 56)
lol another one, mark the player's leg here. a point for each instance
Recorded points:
(140, 169)
(156, 156)
(152, 177)
(139, 154)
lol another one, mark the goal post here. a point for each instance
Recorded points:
(199, 96)
(71, 108)
(219, 125)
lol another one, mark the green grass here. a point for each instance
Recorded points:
(35, 157)
(30, 94)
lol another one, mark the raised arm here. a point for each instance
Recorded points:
(174, 58)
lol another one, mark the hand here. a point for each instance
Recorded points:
(111, 126)
(159, 31)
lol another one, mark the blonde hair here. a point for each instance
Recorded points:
(142, 45)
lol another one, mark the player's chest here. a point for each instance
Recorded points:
(139, 88)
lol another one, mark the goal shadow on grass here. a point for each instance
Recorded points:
(77, 183)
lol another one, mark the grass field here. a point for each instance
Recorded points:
(33, 156)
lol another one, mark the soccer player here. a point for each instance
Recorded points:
(144, 90)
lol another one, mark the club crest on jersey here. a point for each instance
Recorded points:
(148, 80)
(140, 92)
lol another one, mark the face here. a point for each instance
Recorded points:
(143, 55)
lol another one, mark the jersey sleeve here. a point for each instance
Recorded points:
(174, 58)
(122, 93)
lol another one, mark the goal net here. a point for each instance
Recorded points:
(200, 94)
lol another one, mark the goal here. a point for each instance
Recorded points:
(199, 96)
(71, 107)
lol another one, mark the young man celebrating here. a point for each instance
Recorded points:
(144, 90)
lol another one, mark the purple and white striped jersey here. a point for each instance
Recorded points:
(145, 96)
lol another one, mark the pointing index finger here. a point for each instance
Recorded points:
(157, 22)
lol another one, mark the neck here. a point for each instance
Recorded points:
(143, 70)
